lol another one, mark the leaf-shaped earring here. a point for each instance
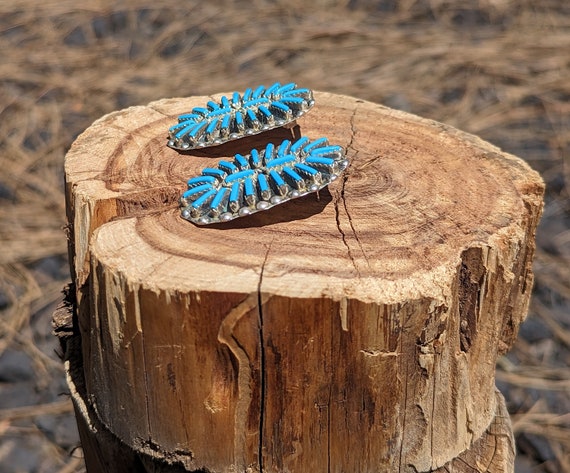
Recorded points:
(261, 180)
(253, 112)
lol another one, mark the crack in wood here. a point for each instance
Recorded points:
(263, 377)
(345, 179)
(405, 405)
(227, 337)
(434, 376)
(342, 234)
(354, 232)
(137, 310)
(341, 195)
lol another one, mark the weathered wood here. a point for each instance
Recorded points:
(104, 452)
(352, 331)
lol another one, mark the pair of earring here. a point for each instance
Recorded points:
(262, 178)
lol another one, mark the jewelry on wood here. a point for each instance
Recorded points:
(262, 179)
(252, 112)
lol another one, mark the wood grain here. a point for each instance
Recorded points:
(356, 330)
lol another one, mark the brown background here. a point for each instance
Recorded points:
(496, 68)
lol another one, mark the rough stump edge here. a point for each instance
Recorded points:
(104, 452)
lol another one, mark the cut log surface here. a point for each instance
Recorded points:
(352, 331)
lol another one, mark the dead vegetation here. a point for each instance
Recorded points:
(496, 68)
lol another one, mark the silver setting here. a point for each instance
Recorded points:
(252, 112)
(261, 180)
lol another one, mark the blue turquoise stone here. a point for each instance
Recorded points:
(280, 161)
(197, 129)
(283, 147)
(285, 88)
(234, 194)
(179, 126)
(326, 150)
(277, 179)
(295, 100)
(214, 172)
(216, 201)
(255, 102)
(269, 150)
(227, 166)
(280, 106)
(239, 119)
(298, 144)
(241, 161)
(319, 160)
(307, 169)
(186, 129)
(315, 144)
(247, 94)
(296, 92)
(201, 180)
(272, 89)
(257, 92)
(213, 105)
(220, 111)
(248, 187)
(226, 122)
(252, 117)
(212, 126)
(196, 190)
(189, 116)
(263, 109)
(254, 158)
(262, 183)
(292, 174)
(240, 175)
(203, 198)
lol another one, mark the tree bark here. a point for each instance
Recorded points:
(352, 331)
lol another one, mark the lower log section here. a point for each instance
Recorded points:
(352, 331)
(493, 452)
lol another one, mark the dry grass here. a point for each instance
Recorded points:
(496, 68)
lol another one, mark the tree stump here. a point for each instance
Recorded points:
(352, 331)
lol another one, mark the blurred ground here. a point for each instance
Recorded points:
(496, 68)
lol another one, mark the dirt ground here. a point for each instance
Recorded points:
(496, 68)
